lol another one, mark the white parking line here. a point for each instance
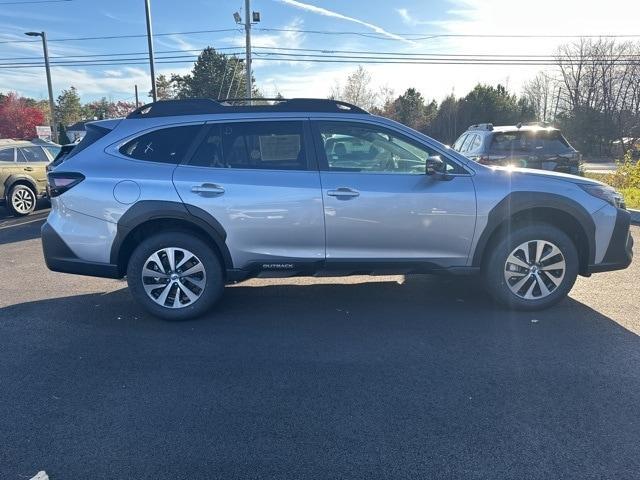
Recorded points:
(4, 227)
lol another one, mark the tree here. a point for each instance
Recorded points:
(98, 109)
(17, 119)
(165, 88)
(488, 104)
(410, 108)
(444, 125)
(120, 109)
(103, 108)
(69, 109)
(214, 75)
(356, 90)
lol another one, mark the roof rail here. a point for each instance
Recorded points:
(195, 106)
(534, 124)
(481, 126)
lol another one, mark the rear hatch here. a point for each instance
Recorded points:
(94, 132)
(540, 148)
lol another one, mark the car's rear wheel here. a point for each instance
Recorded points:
(21, 200)
(175, 276)
(531, 267)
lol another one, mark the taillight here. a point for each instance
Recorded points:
(60, 182)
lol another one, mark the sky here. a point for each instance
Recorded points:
(398, 26)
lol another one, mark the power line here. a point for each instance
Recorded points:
(113, 37)
(480, 56)
(275, 56)
(408, 36)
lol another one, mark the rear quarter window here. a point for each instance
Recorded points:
(165, 145)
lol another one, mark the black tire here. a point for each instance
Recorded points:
(214, 280)
(21, 200)
(495, 263)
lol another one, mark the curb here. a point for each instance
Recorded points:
(635, 216)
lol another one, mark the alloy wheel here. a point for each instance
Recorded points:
(173, 277)
(534, 269)
(23, 200)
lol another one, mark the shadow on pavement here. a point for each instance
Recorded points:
(17, 229)
(425, 379)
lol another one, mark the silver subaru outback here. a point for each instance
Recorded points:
(185, 196)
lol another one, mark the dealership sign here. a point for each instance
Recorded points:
(43, 132)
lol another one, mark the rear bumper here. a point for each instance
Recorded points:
(620, 250)
(59, 258)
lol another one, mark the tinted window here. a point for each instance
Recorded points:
(535, 141)
(166, 145)
(32, 154)
(364, 148)
(6, 155)
(255, 145)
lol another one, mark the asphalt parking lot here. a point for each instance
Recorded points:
(361, 377)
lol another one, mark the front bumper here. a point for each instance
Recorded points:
(59, 258)
(620, 250)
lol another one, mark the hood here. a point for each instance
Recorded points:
(546, 174)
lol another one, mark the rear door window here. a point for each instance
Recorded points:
(165, 145)
(32, 154)
(254, 145)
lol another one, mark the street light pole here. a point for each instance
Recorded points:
(152, 68)
(52, 107)
(247, 29)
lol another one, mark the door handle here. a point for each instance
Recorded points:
(28, 169)
(207, 189)
(343, 192)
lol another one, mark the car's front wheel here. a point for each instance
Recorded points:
(175, 276)
(21, 200)
(531, 267)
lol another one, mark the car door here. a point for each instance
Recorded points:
(260, 181)
(381, 206)
(8, 167)
(33, 161)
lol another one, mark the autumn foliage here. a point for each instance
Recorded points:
(17, 119)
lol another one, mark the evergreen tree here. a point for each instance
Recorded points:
(69, 109)
(214, 75)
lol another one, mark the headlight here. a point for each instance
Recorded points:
(605, 193)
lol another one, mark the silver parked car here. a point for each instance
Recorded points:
(185, 196)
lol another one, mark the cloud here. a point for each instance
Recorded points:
(410, 19)
(330, 13)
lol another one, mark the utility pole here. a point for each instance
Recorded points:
(136, 90)
(247, 29)
(52, 106)
(147, 8)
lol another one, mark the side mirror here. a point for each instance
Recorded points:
(435, 165)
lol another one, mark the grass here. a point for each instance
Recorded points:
(631, 197)
(626, 180)
(631, 194)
